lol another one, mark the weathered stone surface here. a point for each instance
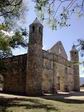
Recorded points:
(40, 71)
(58, 49)
(75, 60)
(14, 74)
(35, 62)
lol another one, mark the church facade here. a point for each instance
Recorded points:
(40, 71)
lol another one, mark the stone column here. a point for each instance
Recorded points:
(75, 61)
(34, 64)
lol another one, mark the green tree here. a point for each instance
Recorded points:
(4, 45)
(55, 12)
(80, 47)
(8, 42)
(58, 12)
(10, 9)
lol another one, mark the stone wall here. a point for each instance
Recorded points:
(75, 61)
(40, 70)
(35, 60)
(57, 73)
(14, 74)
(58, 49)
(70, 79)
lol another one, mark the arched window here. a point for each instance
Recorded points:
(1, 82)
(40, 30)
(33, 28)
(75, 52)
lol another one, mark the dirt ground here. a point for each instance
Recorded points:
(61, 95)
(61, 102)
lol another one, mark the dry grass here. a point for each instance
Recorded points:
(49, 103)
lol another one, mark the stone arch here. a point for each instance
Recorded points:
(1, 82)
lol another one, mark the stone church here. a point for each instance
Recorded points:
(40, 71)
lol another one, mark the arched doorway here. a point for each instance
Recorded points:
(1, 83)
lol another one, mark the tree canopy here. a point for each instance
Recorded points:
(55, 12)
(58, 12)
(10, 9)
(10, 41)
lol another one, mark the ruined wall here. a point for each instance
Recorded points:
(75, 60)
(35, 60)
(38, 69)
(70, 79)
(57, 73)
(47, 81)
(58, 49)
(14, 74)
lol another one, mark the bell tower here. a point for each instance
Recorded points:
(34, 58)
(75, 61)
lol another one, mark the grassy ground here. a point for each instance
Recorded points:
(41, 104)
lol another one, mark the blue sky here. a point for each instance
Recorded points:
(68, 35)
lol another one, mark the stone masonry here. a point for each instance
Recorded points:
(75, 59)
(34, 64)
(40, 71)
